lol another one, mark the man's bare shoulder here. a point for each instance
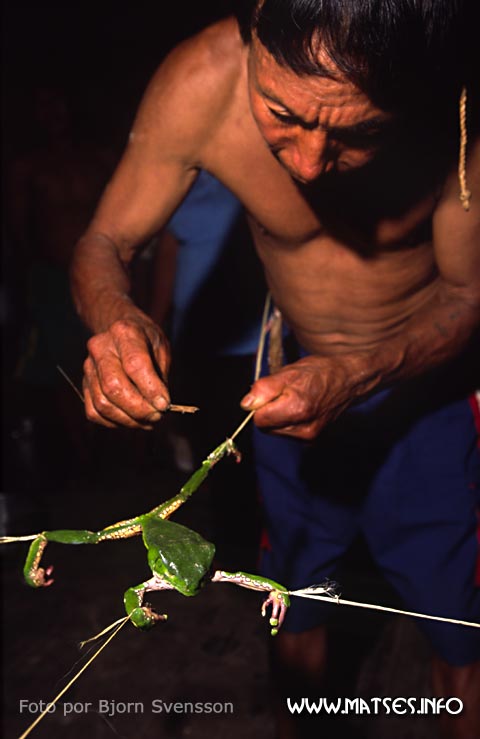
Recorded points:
(220, 48)
(193, 87)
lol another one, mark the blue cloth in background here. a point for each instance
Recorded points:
(211, 285)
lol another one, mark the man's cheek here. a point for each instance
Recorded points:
(275, 137)
(353, 159)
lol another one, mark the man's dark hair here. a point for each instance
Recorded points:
(401, 53)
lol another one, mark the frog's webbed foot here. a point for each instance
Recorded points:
(228, 447)
(144, 617)
(280, 602)
(37, 576)
(277, 594)
(233, 450)
(40, 577)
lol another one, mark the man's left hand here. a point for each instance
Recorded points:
(303, 397)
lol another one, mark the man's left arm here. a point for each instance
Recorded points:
(303, 397)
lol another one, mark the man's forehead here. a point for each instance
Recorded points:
(316, 50)
(307, 95)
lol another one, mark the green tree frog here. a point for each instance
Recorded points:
(179, 558)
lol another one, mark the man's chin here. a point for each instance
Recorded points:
(301, 180)
(332, 178)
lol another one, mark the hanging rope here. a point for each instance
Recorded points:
(465, 193)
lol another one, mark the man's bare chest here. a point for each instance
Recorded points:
(284, 215)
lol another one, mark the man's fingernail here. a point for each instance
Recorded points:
(248, 401)
(156, 416)
(160, 403)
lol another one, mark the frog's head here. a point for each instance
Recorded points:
(178, 555)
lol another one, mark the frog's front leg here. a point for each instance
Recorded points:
(143, 616)
(165, 510)
(277, 594)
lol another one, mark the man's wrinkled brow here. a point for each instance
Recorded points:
(362, 128)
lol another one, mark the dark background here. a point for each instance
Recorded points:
(104, 52)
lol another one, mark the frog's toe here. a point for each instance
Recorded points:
(46, 579)
(41, 577)
(280, 603)
(145, 617)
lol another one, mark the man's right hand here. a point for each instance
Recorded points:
(125, 375)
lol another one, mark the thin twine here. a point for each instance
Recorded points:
(343, 602)
(12, 539)
(72, 384)
(263, 335)
(465, 193)
(102, 633)
(74, 678)
(242, 425)
(258, 361)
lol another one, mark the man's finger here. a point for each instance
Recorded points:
(263, 391)
(114, 397)
(287, 409)
(121, 419)
(139, 368)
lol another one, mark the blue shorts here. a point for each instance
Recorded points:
(403, 468)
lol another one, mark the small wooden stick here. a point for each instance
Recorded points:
(182, 408)
(172, 407)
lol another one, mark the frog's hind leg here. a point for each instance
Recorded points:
(143, 616)
(37, 576)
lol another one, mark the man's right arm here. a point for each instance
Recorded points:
(127, 364)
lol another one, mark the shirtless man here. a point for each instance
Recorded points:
(344, 156)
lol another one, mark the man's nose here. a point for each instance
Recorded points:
(311, 155)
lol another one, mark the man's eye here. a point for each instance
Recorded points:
(360, 140)
(286, 118)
